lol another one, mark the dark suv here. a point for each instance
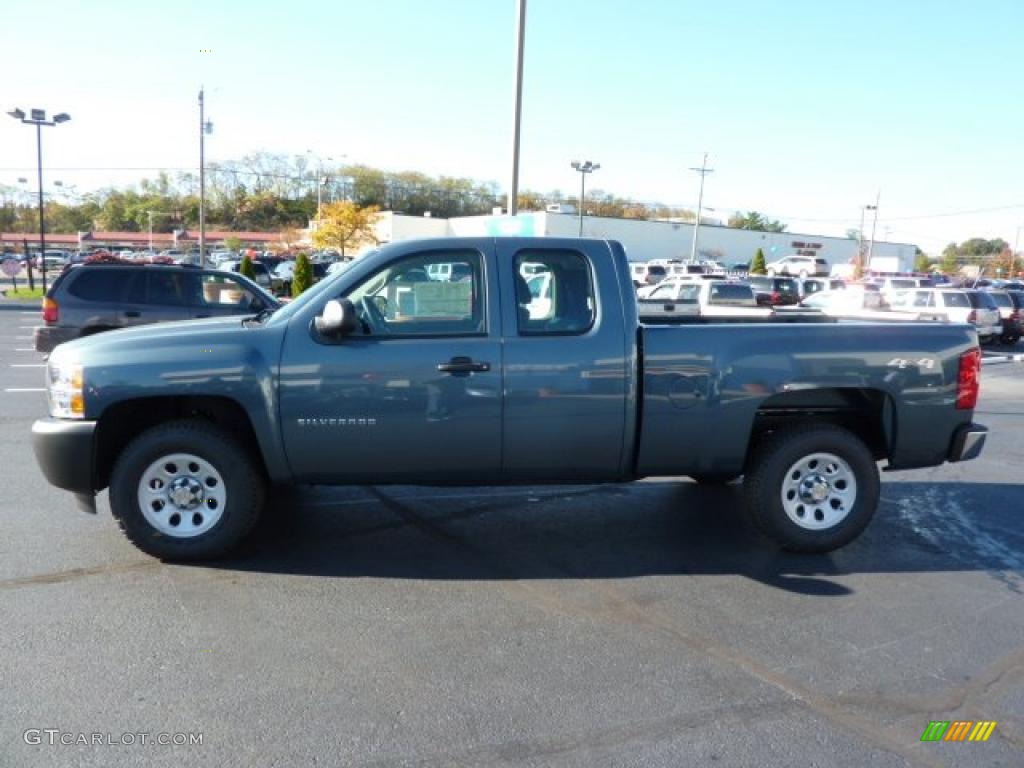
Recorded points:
(90, 298)
(775, 291)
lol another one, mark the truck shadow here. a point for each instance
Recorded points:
(622, 531)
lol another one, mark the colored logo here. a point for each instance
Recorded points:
(958, 730)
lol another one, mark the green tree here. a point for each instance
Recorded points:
(757, 267)
(344, 225)
(949, 265)
(921, 262)
(755, 220)
(302, 278)
(246, 268)
(233, 243)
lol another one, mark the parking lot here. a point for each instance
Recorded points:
(642, 624)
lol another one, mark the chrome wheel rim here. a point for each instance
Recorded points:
(182, 495)
(819, 491)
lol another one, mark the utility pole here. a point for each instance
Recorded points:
(1013, 253)
(703, 171)
(513, 187)
(874, 223)
(205, 127)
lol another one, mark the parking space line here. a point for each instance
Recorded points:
(25, 389)
(24, 349)
(28, 365)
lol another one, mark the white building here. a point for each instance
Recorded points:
(645, 240)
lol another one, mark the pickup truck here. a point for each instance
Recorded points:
(382, 374)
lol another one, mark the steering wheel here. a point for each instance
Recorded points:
(373, 314)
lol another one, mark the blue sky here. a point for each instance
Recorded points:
(805, 108)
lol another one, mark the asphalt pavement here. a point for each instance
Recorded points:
(623, 625)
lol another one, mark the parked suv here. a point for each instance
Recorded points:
(800, 266)
(774, 291)
(953, 305)
(1011, 305)
(90, 298)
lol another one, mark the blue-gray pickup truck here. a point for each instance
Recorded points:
(442, 362)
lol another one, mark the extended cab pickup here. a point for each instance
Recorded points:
(401, 370)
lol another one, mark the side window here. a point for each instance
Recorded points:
(99, 284)
(438, 293)
(219, 290)
(166, 288)
(570, 307)
(922, 299)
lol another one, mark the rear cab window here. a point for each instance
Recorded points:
(571, 306)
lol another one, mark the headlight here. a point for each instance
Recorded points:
(65, 383)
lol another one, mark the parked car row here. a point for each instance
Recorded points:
(996, 314)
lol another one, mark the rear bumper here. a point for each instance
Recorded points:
(49, 336)
(968, 440)
(64, 452)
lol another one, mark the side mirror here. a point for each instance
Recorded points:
(338, 318)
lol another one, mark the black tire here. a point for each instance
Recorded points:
(769, 474)
(223, 465)
(714, 478)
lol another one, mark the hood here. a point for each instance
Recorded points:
(156, 335)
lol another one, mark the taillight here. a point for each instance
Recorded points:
(1015, 316)
(968, 380)
(50, 313)
(973, 317)
(776, 297)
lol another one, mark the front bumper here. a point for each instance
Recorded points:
(968, 440)
(49, 336)
(65, 452)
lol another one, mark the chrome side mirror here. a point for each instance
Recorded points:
(338, 318)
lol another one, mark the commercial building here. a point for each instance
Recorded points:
(645, 240)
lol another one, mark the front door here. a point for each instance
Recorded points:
(415, 394)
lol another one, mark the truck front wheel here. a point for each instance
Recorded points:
(812, 488)
(185, 490)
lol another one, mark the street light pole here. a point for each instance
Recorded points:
(874, 223)
(202, 182)
(703, 171)
(584, 167)
(1013, 253)
(513, 187)
(38, 119)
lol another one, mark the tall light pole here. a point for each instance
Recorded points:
(703, 171)
(38, 119)
(151, 214)
(513, 187)
(584, 167)
(1013, 253)
(874, 223)
(205, 127)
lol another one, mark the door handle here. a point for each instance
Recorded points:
(132, 313)
(463, 365)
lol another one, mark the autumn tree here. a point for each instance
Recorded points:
(345, 226)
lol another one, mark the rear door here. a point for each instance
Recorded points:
(156, 295)
(566, 370)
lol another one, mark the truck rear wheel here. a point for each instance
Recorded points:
(812, 488)
(185, 490)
